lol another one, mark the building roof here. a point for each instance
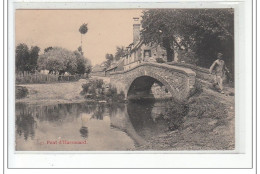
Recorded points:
(98, 68)
(136, 46)
(115, 65)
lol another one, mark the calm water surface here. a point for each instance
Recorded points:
(88, 126)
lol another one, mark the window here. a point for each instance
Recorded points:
(147, 53)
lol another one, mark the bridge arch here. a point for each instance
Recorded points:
(177, 80)
(142, 85)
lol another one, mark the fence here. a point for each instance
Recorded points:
(22, 78)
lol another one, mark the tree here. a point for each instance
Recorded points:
(47, 49)
(34, 55)
(157, 29)
(109, 59)
(120, 52)
(25, 59)
(21, 56)
(80, 50)
(83, 29)
(202, 31)
(88, 68)
(83, 64)
(58, 60)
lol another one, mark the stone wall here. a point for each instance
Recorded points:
(98, 73)
(201, 73)
(177, 80)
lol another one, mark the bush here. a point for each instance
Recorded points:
(20, 92)
(160, 60)
(175, 113)
(98, 90)
(197, 90)
(206, 106)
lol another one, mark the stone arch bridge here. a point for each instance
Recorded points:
(177, 80)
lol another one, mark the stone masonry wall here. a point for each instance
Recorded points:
(177, 80)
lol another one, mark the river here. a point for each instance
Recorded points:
(91, 126)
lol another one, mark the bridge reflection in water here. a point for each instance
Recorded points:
(103, 126)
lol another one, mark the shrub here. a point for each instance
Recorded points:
(98, 90)
(175, 114)
(197, 89)
(20, 92)
(160, 60)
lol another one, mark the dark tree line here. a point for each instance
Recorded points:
(25, 58)
(55, 59)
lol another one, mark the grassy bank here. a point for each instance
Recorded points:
(208, 125)
(67, 92)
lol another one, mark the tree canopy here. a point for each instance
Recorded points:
(47, 49)
(60, 60)
(109, 60)
(120, 52)
(196, 33)
(25, 58)
(83, 29)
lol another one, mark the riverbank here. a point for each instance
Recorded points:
(53, 93)
(209, 125)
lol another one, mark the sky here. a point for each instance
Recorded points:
(106, 30)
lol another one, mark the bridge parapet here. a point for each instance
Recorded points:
(178, 80)
(201, 73)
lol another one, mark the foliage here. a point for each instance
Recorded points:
(25, 59)
(34, 55)
(159, 60)
(96, 89)
(88, 67)
(83, 29)
(175, 114)
(21, 56)
(197, 90)
(204, 31)
(83, 64)
(60, 60)
(20, 92)
(93, 89)
(47, 49)
(187, 56)
(120, 52)
(206, 105)
(80, 50)
(109, 60)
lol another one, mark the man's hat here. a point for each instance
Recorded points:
(220, 55)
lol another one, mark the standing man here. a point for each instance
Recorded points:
(218, 68)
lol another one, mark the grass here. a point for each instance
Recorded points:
(204, 122)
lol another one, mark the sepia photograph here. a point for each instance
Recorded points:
(155, 79)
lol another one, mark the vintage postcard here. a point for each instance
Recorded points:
(155, 79)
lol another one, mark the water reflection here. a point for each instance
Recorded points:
(84, 132)
(26, 125)
(104, 126)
